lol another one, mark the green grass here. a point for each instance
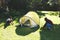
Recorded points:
(14, 32)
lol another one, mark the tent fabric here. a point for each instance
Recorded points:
(32, 16)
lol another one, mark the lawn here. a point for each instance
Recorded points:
(14, 32)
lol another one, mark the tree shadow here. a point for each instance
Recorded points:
(51, 35)
(25, 30)
(2, 21)
(41, 14)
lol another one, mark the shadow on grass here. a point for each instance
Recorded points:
(2, 20)
(25, 30)
(51, 35)
(41, 14)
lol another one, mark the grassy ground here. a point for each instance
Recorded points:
(13, 32)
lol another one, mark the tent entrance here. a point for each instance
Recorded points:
(27, 23)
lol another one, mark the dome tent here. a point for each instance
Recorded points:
(31, 19)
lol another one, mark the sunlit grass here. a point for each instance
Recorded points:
(10, 32)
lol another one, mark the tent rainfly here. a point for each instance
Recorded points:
(31, 19)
